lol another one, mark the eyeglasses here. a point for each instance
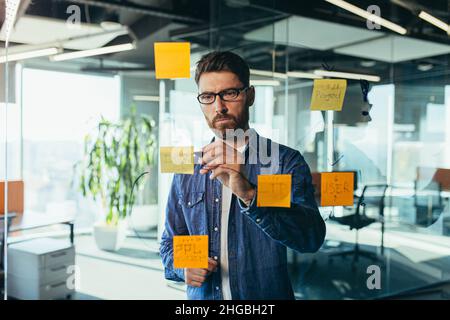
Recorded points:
(226, 95)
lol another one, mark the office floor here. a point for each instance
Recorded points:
(136, 272)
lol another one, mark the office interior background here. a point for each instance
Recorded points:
(50, 102)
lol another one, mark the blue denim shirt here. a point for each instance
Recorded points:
(257, 236)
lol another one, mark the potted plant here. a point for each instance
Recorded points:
(113, 159)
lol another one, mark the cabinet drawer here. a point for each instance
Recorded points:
(59, 257)
(54, 272)
(55, 290)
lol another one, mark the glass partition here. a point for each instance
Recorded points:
(53, 108)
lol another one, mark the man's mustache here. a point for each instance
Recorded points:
(222, 117)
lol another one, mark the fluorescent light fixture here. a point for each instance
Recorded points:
(346, 75)
(146, 98)
(30, 54)
(434, 21)
(265, 73)
(93, 52)
(273, 83)
(303, 75)
(369, 16)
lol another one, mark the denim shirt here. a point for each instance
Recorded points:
(257, 236)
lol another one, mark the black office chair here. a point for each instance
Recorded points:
(372, 196)
(428, 202)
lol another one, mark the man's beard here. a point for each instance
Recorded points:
(234, 123)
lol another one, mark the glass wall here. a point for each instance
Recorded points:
(403, 150)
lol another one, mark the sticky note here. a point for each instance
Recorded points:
(177, 159)
(336, 189)
(274, 190)
(172, 60)
(328, 94)
(190, 251)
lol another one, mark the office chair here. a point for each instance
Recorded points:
(372, 195)
(428, 202)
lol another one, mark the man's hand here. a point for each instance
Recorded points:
(227, 164)
(195, 276)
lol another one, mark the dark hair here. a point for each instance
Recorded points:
(223, 61)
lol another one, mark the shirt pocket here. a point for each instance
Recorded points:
(191, 199)
(194, 211)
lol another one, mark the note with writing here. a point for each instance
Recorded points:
(274, 190)
(177, 159)
(172, 60)
(336, 189)
(328, 94)
(190, 251)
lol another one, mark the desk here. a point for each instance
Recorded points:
(32, 220)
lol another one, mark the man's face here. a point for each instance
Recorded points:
(221, 115)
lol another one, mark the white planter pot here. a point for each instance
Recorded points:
(144, 217)
(108, 237)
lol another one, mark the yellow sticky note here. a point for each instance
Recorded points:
(177, 159)
(274, 190)
(336, 189)
(190, 251)
(328, 94)
(172, 60)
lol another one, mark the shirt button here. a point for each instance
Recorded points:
(217, 288)
(215, 258)
(217, 199)
(258, 220)
(216, 229)
(189, 203)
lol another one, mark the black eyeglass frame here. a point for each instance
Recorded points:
(221, 93)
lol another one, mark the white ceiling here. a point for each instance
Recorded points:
(395, 49)
(358, 42)
(311, 33)
(34, 30)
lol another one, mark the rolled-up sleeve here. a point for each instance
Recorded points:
(174, 225)
(299, 227)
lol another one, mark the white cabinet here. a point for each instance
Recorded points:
(38, 269)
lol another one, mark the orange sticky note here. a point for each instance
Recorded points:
(172, 60)
(177, 159)
(190, 251)
(336, 189)
(328, 94)
(274, 190)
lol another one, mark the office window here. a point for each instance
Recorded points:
(59, 109)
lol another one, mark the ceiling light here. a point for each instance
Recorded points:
(93, 52)
(346, 75)
(29, 54)
(434, 21)
(303, 75)
(273, 83)
(265, 73)
(146, 98)
(368, 63)
(367, 15)
(424, 66)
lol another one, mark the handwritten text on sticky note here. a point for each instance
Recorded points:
(172, 60)
(328, 94)
(274, 190)
(190, 251)
(177, 159)
(337, 189)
